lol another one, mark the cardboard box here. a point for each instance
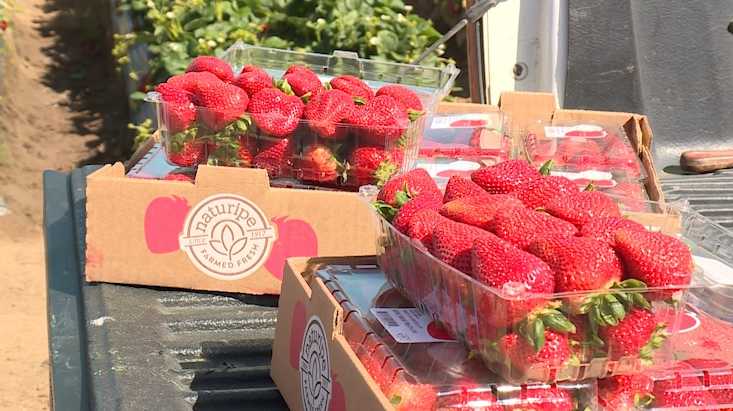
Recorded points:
(229, 231)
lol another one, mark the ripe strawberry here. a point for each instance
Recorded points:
(179, 111)
(638, 334)
(580, 154)
(327, 112)
(405, 396)
(213, 65)
(521, 226)
(469, 395)
(221, 103)
(253, 79)
(625, 392)
(478, 210)
(538, 192)
(189, 81)
(542, 398)
(630, 195)
(621, 158)
(580, 264)
(302, 81)
(682, 393)
(505, 177)
(427, 200)
(276, 113)
(237, 151)
(522, 355)
(654, 258)
(183, 149)
(603, 229)
(179, 177)
(583, 206)
(246, 151)
(406, 98)
(379, 122)
(422, 224)
(412, 183)
(274, 157)
(373, 165)
(452, 244)
(352, 86)
(319, 164)
(459, 187)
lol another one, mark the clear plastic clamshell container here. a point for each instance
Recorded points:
(338, 154)
(430, 376)
(499, 324)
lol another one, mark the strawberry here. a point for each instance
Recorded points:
(253, 79)
(406, 98)
(625, 392)
(583, 206)
(542, 398)
(523, 356)
(179, 111)
(319, 164)
(621, 158)
(232, 146)
(275, 112)
(521, 226)
(423, 201)
(379, 122)
(179, 177)
(405, 396)
(274, 157)
(373, 165)
(478, 210)
(189, 81)
(630, 195)
(422, 224)
(469, 395)
(638, 334)
(352, 86)
(603, 229)
(183, 149)
(452, 243)
(302, 81)
(326, 113)
(683, 393)
(459, 187)
(580, 154)
(654, 258)
(211, 64)
(538, 192)
(505, 177)
(221, 103)
(401, 187)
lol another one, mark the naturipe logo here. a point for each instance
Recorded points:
(315, 368)
(227, 237)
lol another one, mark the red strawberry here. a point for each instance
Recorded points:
(422, 224)
(302, 81)
(213, 65)
(654, 258)
(221, 103)
(459, 187)
(179, 177)
(479, 210)
(326, 113)
(683, 393)
(183, 149)
(246, 150)
(428, 200)
(189, 81)
(621, 158)
(631, 195)
(379, 122)
(497, 263)
(353, 86)
(452, 243)
(469, 396)
(555, 351)
(373, 165)
(505, 177)
(637, 335)
(580, 154)
(179, 111)
(603, 229)
(253, 80)
(412, 183)
(538, 192)
(405, 396)
(583, 206)
(406, 98)
(521, 226)
(625, 392)
(375, 370)
(3, 25)
(542, 398)
(275, 112)
(318, 164)
(273, 157)
(580, 264)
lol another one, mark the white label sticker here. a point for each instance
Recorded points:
(410, 325)
(582, 130)
(461, 121)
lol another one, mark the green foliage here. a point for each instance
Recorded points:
(177, 30)
(143, 132)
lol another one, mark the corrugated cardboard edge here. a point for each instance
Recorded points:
(360, 391)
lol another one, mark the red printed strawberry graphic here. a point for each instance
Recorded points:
(437, 331)
(297, 328)
(295, 238)
(468, 123)
(338, 398)
(163, 223)
(211, 64)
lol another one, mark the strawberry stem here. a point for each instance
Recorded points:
(358, 101)
(590, 187)
(547, 167)
(414, 114)
(284, 86)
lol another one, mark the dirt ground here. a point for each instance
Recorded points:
(61, 105)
